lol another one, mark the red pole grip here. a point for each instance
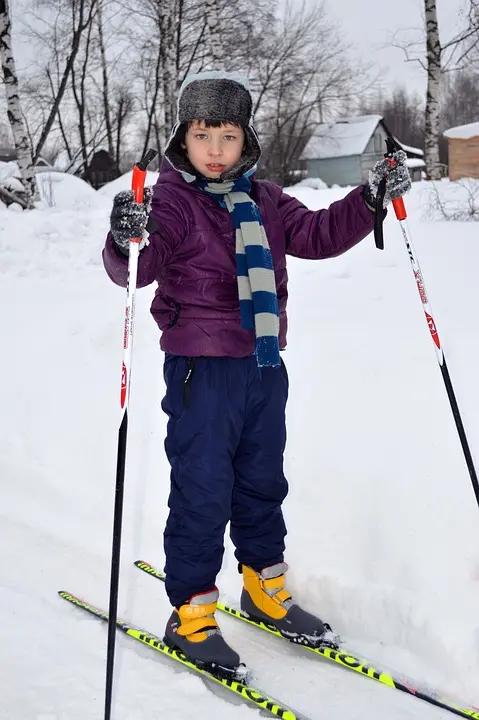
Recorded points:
(138, 183)
(400, 209)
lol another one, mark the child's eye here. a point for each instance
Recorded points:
(230, 137)
(200, 136)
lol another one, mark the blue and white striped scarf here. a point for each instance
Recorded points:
(254, 266)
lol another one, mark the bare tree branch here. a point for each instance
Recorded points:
(80, 24)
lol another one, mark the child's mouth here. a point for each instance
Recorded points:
(214, 167)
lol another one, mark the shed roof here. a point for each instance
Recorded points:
(348, 136)
(463, 132)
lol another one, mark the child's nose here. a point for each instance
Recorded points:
(215, 150)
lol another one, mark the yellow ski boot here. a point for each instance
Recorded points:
(193, 629)
(265, 598)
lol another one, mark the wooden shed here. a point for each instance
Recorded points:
(463, 151)
(343, 152)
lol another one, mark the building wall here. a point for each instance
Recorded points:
(463, 158)
(352, 170)
(375, 150)
(336, 171)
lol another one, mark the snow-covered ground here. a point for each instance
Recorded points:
(383, 524)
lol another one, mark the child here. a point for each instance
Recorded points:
(218, 241)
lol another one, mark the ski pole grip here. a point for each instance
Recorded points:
(400, 208)
(139, 175)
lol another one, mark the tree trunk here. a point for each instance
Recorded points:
(151, 110)
(105, 93)
(15, 116)
(216, 44)
(168, 62)
(433, 100)
(79, 93)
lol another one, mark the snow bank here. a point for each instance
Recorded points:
(57, 189)
(66, 192)
(311, 182)
(446, 200)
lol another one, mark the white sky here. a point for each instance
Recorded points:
(369, 25)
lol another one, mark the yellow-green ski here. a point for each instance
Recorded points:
(246, 692)
(343, 657)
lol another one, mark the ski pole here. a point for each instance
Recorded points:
(137, 185)
(401, 214)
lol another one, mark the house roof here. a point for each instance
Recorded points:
(348, 136)
(463, 132)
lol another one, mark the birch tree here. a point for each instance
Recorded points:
(214, 29)
(14, 109)
(440, 56)
(168, 55)
(455, 52)
(433, 93)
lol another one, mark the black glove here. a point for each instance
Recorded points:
(398, 181)
(128, 218)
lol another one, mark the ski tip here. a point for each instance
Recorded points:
(142, 562)
(150, 569)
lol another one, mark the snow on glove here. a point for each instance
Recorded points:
(128, 218)
(398, 181)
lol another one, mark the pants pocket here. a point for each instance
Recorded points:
(190, 371)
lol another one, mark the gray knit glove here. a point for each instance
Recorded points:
(398, 181)
(128, 218)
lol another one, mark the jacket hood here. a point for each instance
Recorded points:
(215, 95)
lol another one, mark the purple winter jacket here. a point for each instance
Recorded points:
(192, 256)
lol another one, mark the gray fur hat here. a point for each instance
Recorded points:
(215, 95)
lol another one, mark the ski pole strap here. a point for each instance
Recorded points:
(379, 216)
(392, 146)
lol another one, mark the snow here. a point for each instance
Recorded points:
(312, 182)
(348, 136)
(415, 163)
(10, 176)
(56, 189)
(463, 132)
(409, 148)
(383, 524)
(450, 200)
(63, 191)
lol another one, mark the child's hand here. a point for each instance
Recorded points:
(128, 218)
(398, 181)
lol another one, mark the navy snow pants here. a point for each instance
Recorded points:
(225, 442)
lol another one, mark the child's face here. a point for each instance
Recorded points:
(212, 150)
